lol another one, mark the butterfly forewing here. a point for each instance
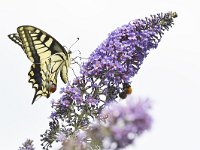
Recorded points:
(15, 38)
(38, 45)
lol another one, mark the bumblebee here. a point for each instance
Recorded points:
(125, 91)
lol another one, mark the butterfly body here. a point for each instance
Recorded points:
(48, 56)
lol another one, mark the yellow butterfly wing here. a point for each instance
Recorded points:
(37, 44)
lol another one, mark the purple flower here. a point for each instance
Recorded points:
(123, 51)
(53, 115)
(124, 122)
(91, 100)
(71, 94)
(61, 137)
(74, 144)
(28, 145)
(77, 142)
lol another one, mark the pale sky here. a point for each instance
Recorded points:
(169, 76)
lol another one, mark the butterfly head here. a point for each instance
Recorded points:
(69, 52)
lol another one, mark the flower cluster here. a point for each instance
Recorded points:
(102, 77)
(77, 142)
(27, 145)
(117, 126)
(123, 123)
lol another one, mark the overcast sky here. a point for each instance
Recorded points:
(169, 76)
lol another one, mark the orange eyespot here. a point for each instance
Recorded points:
(51, 87)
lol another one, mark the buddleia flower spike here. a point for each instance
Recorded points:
(103, 77)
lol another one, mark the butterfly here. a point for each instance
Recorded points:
(48, 58)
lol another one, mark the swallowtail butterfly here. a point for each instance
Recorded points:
(48, 56)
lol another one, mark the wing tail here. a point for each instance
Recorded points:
(38, 78)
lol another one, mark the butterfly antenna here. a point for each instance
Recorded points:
(71, 45)
(74, 43)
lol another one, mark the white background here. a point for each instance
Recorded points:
(169, 76)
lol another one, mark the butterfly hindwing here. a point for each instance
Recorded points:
(44, 75)
(64, 71)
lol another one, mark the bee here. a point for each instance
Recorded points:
(125, 91)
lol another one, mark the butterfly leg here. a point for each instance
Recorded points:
(73, 72)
